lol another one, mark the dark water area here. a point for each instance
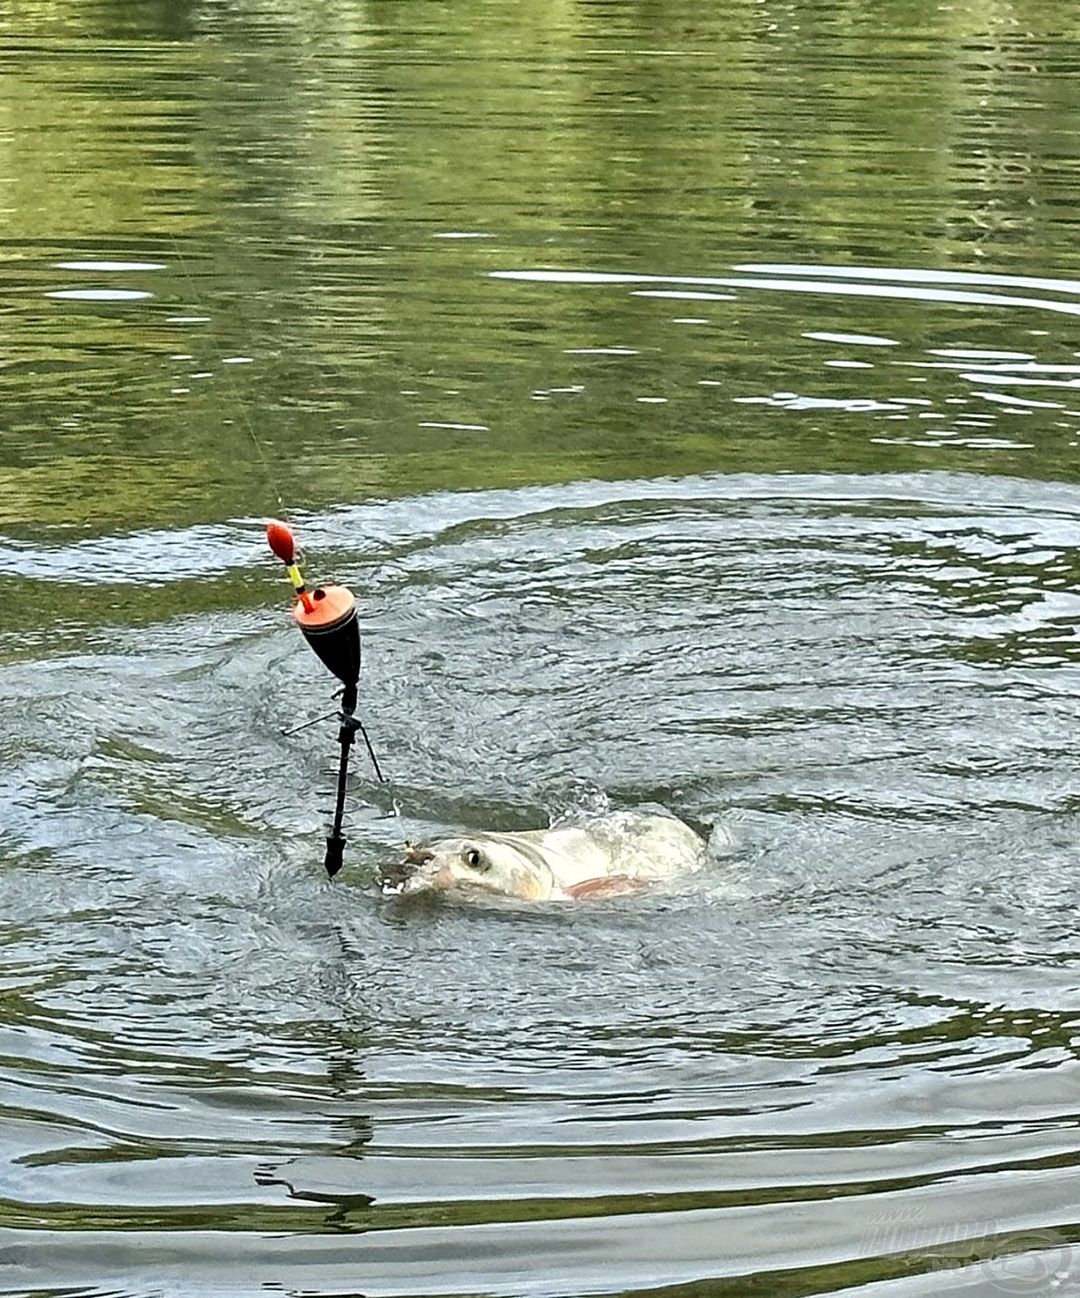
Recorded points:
(689, 394)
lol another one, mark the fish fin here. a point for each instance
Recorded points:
(610, 885)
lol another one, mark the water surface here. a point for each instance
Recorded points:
(690, 399)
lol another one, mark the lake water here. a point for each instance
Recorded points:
(691, 396)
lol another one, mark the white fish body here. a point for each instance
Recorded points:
(612, 855)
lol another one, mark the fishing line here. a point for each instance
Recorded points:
(327, 618)
(234, 394)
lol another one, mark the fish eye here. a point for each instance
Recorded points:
(474, 859)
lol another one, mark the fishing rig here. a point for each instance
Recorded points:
(327, 618)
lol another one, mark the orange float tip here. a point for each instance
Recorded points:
(331, 608)
(280, 539)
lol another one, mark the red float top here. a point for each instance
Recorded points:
(280, 539)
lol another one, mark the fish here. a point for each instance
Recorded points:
(615, 855)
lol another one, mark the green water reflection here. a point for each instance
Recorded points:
(303, 178)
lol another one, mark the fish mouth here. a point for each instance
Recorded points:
(394, 877)
(415, 872)
(404, 880)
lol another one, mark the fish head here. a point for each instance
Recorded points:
(481, 864)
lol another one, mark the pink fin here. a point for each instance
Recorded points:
(611, 885)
